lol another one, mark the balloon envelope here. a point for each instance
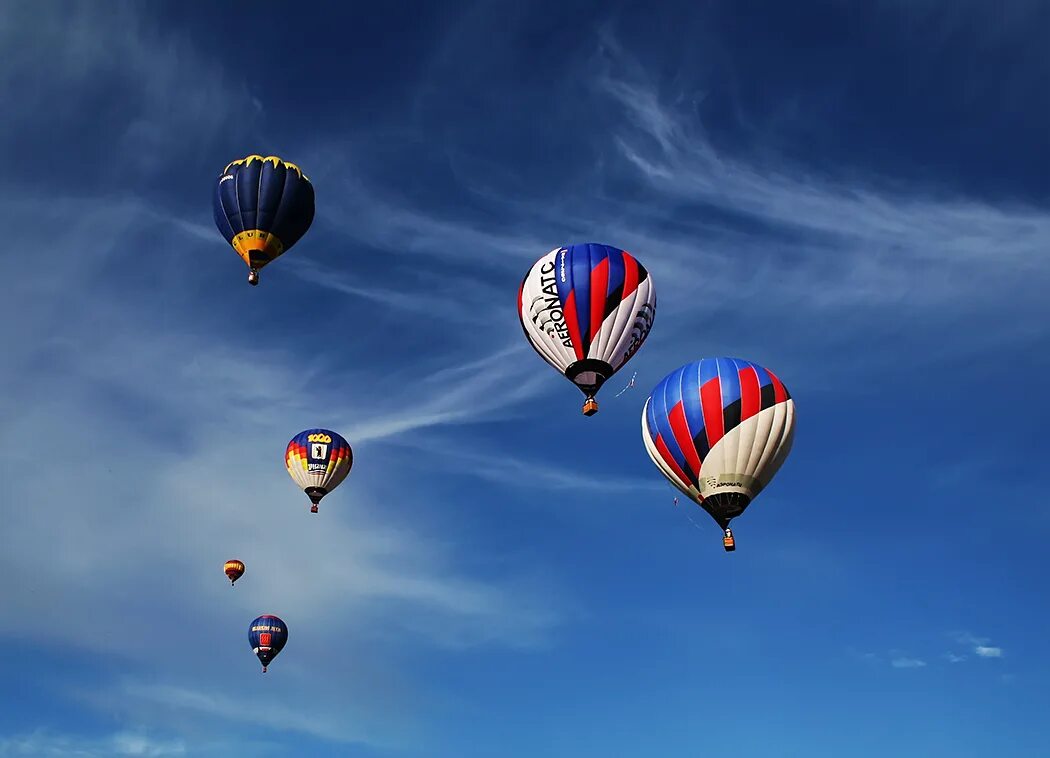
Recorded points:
(262, 206)
(234, 570)
(318, 460)
(267, 635)
(586, 309)
(719, 429)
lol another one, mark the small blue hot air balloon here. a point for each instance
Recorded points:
(262, 207)
(267, 635)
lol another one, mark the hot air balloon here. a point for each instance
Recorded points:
(586, 309)
(318, 460)
(267, 635)
(234, 570)
(719, 429)
(262, 207)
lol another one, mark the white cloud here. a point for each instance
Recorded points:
(45, 744)
(903, 225)
(459, 392)
(62, 61)
(833, 256)
(978, 645)
(170, 428)
(503, 466)
(907, 663)
(836, 256)
(985, 651)
(320, 721)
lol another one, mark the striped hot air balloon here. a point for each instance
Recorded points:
(719, 429)
(586, 309)
(318, 460)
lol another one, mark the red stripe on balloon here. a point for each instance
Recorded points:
(574, 324)
(661, 447)
(680, 427)
(779, 392)
(599, 294)
(750, 393)
(711, 402)
(630, 275)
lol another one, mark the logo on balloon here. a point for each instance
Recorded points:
(714, 483)
(546, 309)
(319, 438)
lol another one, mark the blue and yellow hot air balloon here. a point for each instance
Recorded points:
(318, 460)
(262, 207)
(267, 635)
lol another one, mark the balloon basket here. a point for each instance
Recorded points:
(729, 543)
(590, 407)
(313, 509)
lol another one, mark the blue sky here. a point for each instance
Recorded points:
(858, 198)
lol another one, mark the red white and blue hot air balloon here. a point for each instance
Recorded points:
(586, 309)
(719, 429)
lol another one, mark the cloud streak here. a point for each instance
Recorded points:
(63, 63)
(908, 663)
(986, 651)
(164, 416)
(45, 744)
(978, 645)
(905, 224)
(831, 254)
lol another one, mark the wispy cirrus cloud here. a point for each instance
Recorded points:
(975, 647)
(170, 424)
(833, 253)
(901, 223)
(978, 646)
(212, 386)
(268, 714)
(829, 252)
(481, 389)
(506, 466)
(63, 64)
(46, 744)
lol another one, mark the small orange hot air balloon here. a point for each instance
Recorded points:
(234, 569)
